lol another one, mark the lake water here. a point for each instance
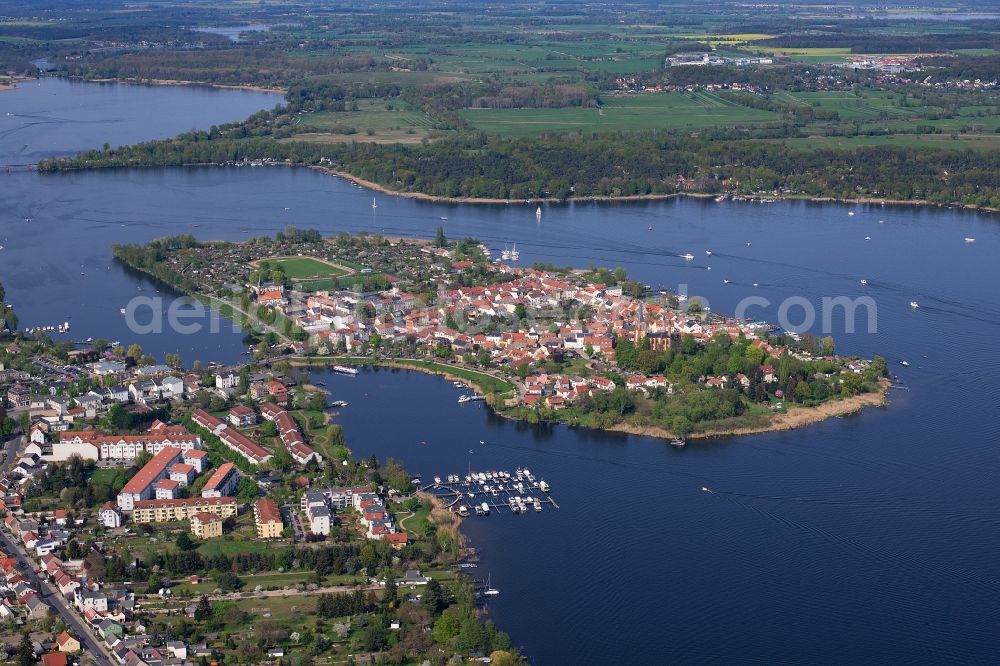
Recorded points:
(233, 32)
(870, 538)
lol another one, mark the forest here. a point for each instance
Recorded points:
(605, 165)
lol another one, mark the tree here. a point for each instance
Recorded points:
(25, 651)
(828, 345)
(184, 541)
(203, 610)
(439, 239)
(134, 352)
(246, 490)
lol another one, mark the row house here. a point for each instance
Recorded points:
(159, 511)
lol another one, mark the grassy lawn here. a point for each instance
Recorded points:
(669, 110)
(377, 120)
(228, 546)
(300, 268)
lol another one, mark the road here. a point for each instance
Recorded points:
(88, 640)
(11, 447)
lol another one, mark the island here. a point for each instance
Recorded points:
(542, 343)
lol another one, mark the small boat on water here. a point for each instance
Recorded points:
(868, 238)
(469, 398)
(708, 252)
(122, 310)
(914, 305)
(725, 282)
(968, 239)
(339, 403)
(905, 364)
(850, 213)
(374, 205)
(514, 254)
(345, 370)
(687, 257)
(543, 486)
(538, 211)
(443, 217)
(864, 283)
(678, 442)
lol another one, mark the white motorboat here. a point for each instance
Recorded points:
(374, 205)
(914, 305)
(864, 283)
(968, 239)
(687, 257)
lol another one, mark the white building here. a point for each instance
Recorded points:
(109, 516)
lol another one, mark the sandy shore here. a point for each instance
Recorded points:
(371, 185)
(794, 417)
(179, 82)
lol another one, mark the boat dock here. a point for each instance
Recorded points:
(482, 493)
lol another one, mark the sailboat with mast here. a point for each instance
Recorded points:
(505, 255)
(490, 591)
(374, 205)
(514, 254)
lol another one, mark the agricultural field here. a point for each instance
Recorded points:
(870, 105)
(376, 121)
(670, 110)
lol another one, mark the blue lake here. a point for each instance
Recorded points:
(869, 538)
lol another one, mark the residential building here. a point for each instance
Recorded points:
(197, 459)
(109, 516)
(166, 489)
(141, 486)
(66, 643)
(182, 473)
(267, 518)
(222, 482)
(159, 511)
(205, 525)
(242, 416)
(227, 380)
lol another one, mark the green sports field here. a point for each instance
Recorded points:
(303, 268)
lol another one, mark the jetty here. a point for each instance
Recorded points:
(483, 493)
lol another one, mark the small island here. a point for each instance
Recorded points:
(587, 348)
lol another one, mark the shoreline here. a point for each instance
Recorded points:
(179, 82)
(791, 419)
(432, 198)
(422, 196)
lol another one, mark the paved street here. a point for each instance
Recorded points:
(90, 642)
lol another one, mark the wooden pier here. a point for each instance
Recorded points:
(496, 491)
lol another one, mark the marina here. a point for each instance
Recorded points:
(481, 493)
